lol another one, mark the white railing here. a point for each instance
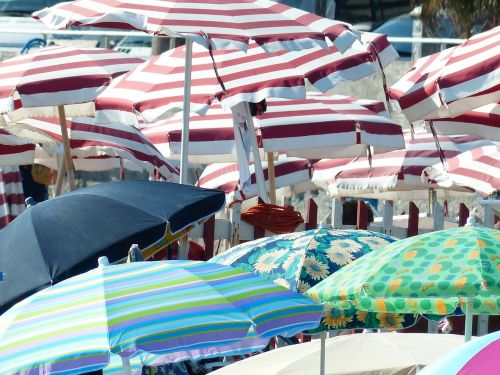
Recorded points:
(108, 34)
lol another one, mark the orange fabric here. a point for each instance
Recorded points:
(276, 219)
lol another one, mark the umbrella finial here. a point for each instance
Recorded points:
(103, 261)
(471, 221)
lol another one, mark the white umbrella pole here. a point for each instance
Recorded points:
(186, 112)
(468, 318)
(322, 354)
(127, 370)
(259, 172)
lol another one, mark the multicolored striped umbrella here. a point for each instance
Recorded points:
(483, 121)
(452, 82)
(88, 139)
(391, 174)
(301, 260)
(477, 169)
(160, 307)
(155, 89)
(11, 195)
(479, 356)
(431, 273)
(291, 173)
(229, 24)
(36, 83)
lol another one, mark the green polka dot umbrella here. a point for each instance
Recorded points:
(433, 273)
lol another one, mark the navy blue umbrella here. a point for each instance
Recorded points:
(64, 236)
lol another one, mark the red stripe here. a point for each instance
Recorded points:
(381, 128)
(307, 129)
(12, 199)
(7, 149)
(63, 84)
(10, 177)
(339, 65)
(203, 135)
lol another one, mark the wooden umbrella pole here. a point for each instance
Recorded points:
(60, 178)
(67, 152)
(271, 177)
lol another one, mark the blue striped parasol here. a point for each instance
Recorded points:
(170, 307)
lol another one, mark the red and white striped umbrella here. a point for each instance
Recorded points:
(320, 125)
(11, 194)
(155, 89)
(229, 24)
(483, 121)
(15, 151)
(294, 174)
(452, 82)
(34, 84)
(109, 143)
(477, 169)
(325, 169)
(397, 171)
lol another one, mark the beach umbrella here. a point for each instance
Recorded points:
(477, 169)
(397, 174)
(228, 25)
(88, 139)
(356, 354)
(64, 236)
(432, 273)
(215, 25)
(58, 81)
(483, 121)
(453, 81)
(292, 174)
(478, 356)
(301, 260)
(11, 194)
(154, 89)
(158, 307)
(317, 126)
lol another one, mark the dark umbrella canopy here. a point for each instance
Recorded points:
(65, 236)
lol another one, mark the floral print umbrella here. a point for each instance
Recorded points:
(433, 273)
(301, 260)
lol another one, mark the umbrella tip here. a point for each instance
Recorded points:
(103, 261)
(471, 221)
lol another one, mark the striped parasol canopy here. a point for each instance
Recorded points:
(228, 24)
(170, 307)
(35, 84)
(294, 174)
(90, 142)
(11, 195)
(14, 150)
(453, 81)
(477, 169)
(309, 128)
(155, 89)
(483, 121)
(389, 175)
(323, 127)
